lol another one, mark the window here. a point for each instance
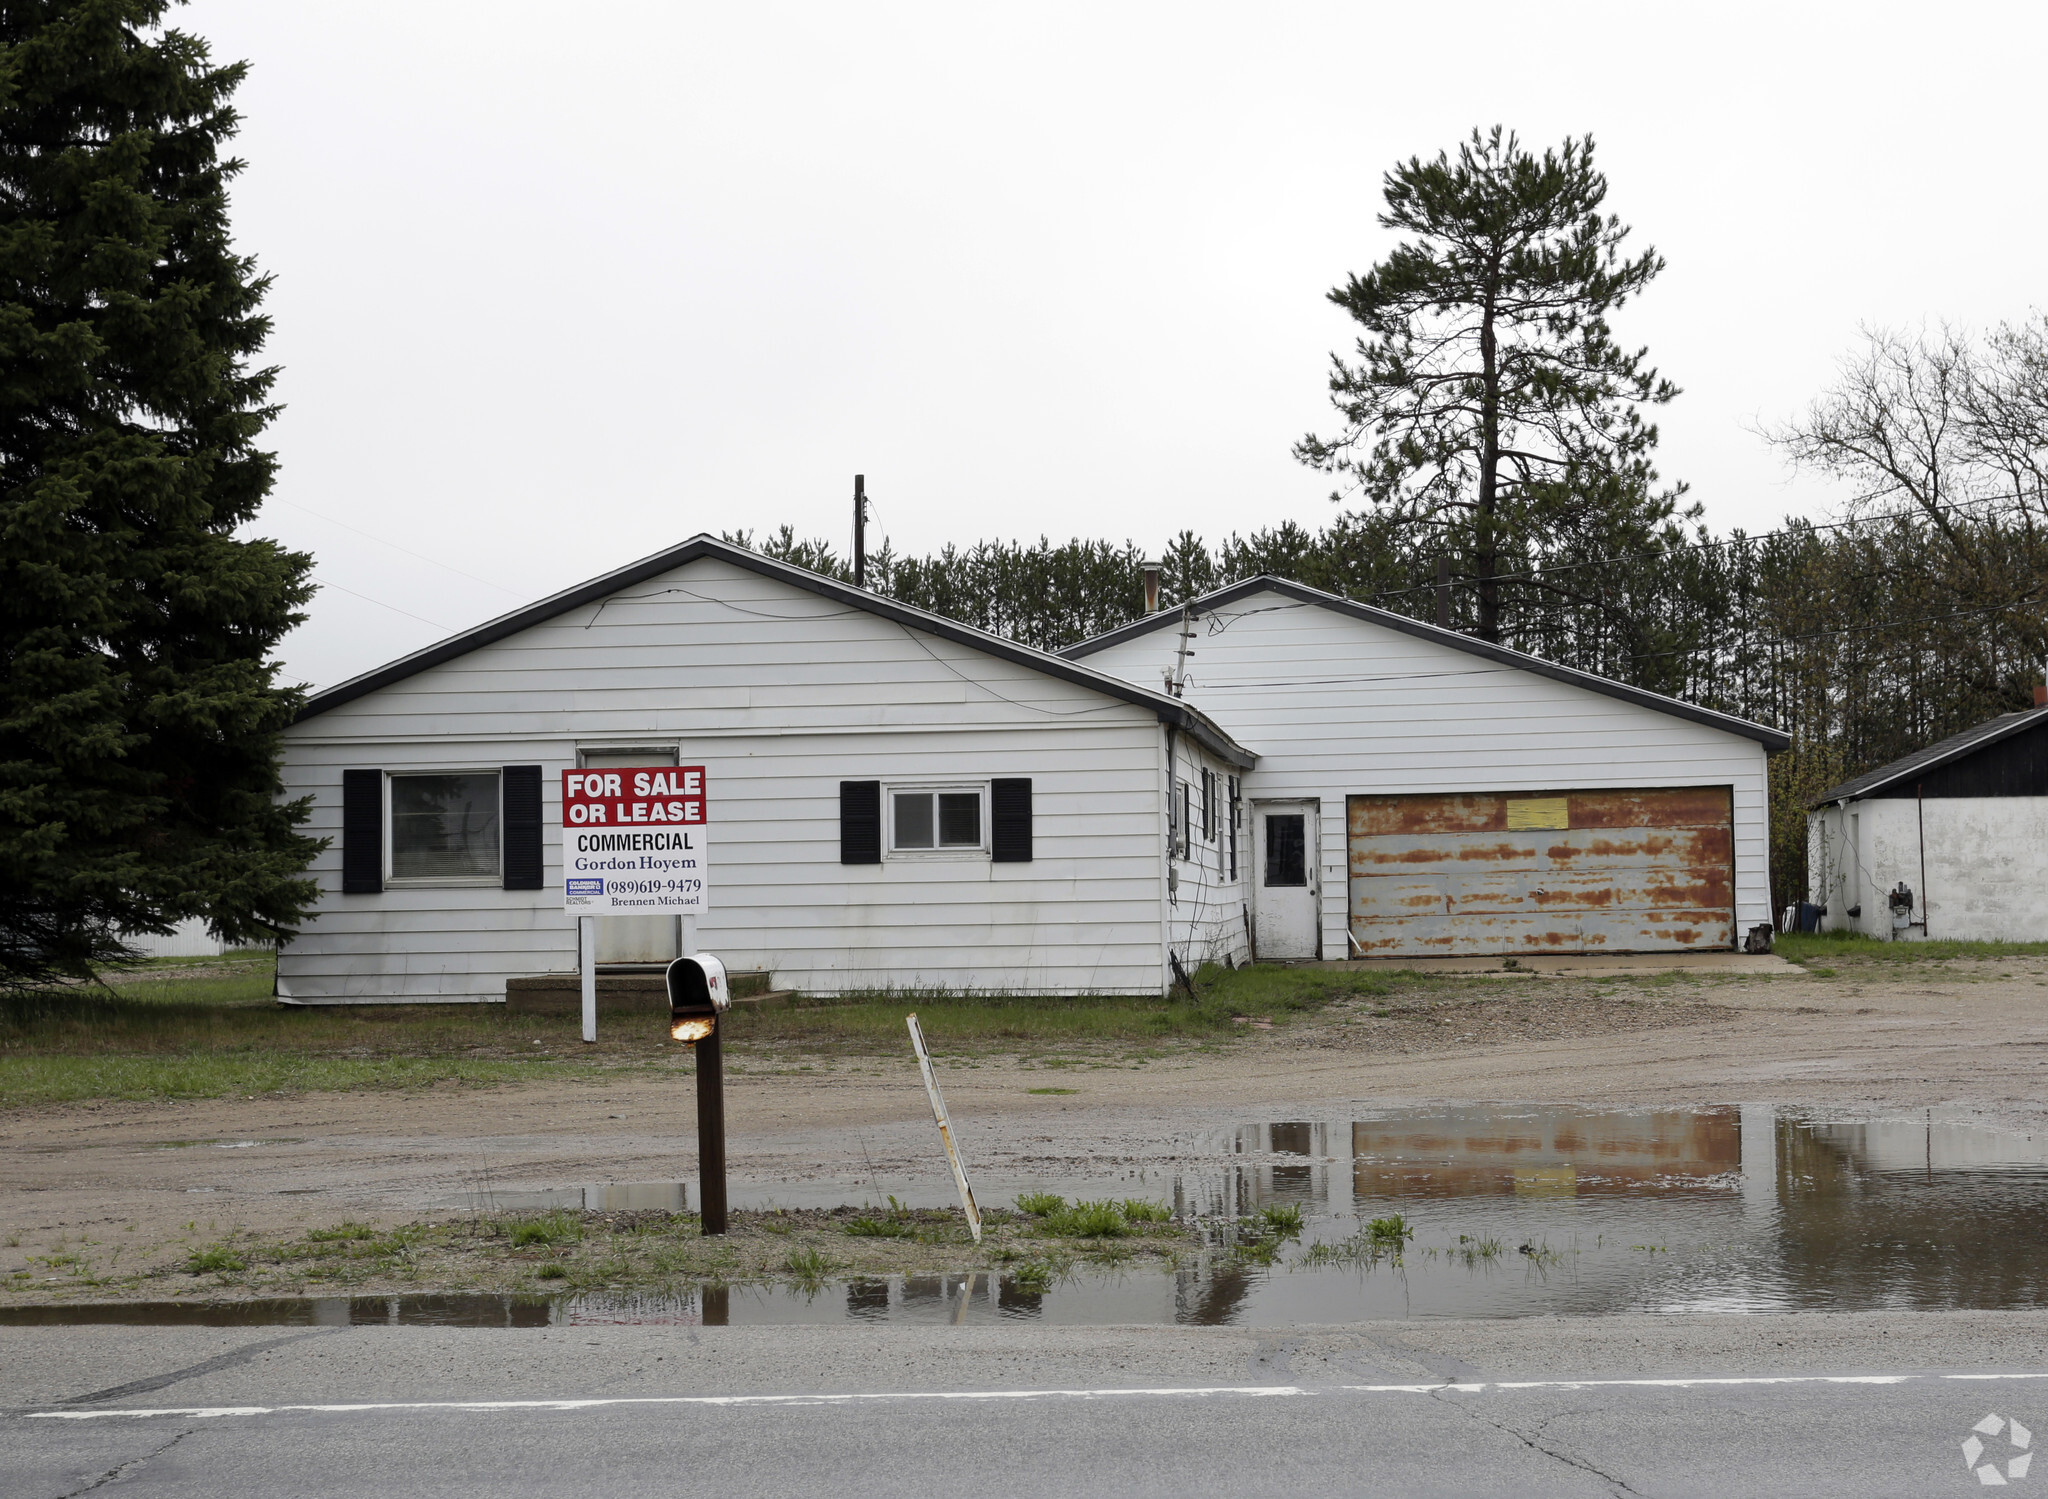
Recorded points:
(1209, 806)
(1287, 849)
(935, 819)
(445, 827)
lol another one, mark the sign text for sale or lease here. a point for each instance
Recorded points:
(635, 840)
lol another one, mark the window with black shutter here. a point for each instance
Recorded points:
(1233, 827)
(362, 832)
(860, 822)
(522, 827)
(1010, 820)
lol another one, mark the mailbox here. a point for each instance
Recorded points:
(697, 995)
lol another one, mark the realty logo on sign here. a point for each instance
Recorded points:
(635, 841)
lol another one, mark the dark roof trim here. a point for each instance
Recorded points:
(1771, 739)
(1170, 710)
(1946, 752)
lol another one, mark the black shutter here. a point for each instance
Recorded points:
(860, 822)
(362, 832)
(522, 827)
(1009, 805)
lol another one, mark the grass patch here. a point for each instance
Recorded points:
(634, 1252)
(1283, 1219)
(1038, 1204)
(190, 1030)
(985, 1022)
(1394, 1230)
(1830, 947)
(1086, 1220)
(558, 1227)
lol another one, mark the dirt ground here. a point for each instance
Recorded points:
(1966, 1037)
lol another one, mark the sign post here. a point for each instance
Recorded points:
(635, 842)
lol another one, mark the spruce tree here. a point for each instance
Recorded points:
(1487, 407)
(140, 711)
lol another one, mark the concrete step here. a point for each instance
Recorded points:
(641, 992)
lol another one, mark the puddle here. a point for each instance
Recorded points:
(1514, 1211)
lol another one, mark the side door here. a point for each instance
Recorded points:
(1287, 885)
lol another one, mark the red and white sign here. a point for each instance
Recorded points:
(633, 798)
(635, 841)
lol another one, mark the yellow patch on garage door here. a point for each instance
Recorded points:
(1530, 812)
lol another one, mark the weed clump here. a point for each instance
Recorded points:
(809, 1266)
(557, 1227)
(1283, 1219)
(341, 1233)
(1393, 1229)
(1087, 1220)
(868, 1226)
(1138, 1210)
(219, 1258)
(1038, 1204)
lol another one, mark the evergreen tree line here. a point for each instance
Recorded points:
(1917, 614)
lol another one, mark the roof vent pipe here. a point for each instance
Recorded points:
(1152, 587)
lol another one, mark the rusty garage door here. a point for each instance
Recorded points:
(1555, 872)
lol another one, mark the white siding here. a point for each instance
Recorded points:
(781, 694)
(189, 939)
(1335, 705)
(1206, 902)
(1984, 877)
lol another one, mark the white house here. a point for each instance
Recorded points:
(1422, 793)
(1960, 827)
(895, 800)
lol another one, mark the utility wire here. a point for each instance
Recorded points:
(385, 541)
(327, 583)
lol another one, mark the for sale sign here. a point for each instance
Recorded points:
(635, 840)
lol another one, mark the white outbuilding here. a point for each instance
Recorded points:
(1420, 793)
(1948, 842)
(896, 801)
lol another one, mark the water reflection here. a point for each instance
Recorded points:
(1515, 1211)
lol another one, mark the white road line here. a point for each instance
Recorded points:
(1686, 1383)
(203, 1411)
(208, 1412)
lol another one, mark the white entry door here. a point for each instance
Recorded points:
(1287, 899)
(634, 939)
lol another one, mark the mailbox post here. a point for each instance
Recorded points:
(697, 996)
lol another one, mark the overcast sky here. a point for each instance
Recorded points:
(558, 286)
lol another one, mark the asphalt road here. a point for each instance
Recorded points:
(1690, 1439)
(625, 1411)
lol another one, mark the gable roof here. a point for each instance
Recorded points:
(1170, 710)
(1771, 739)
(1955, 747)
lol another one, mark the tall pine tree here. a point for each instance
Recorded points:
(139, 705)
(1487, 407)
